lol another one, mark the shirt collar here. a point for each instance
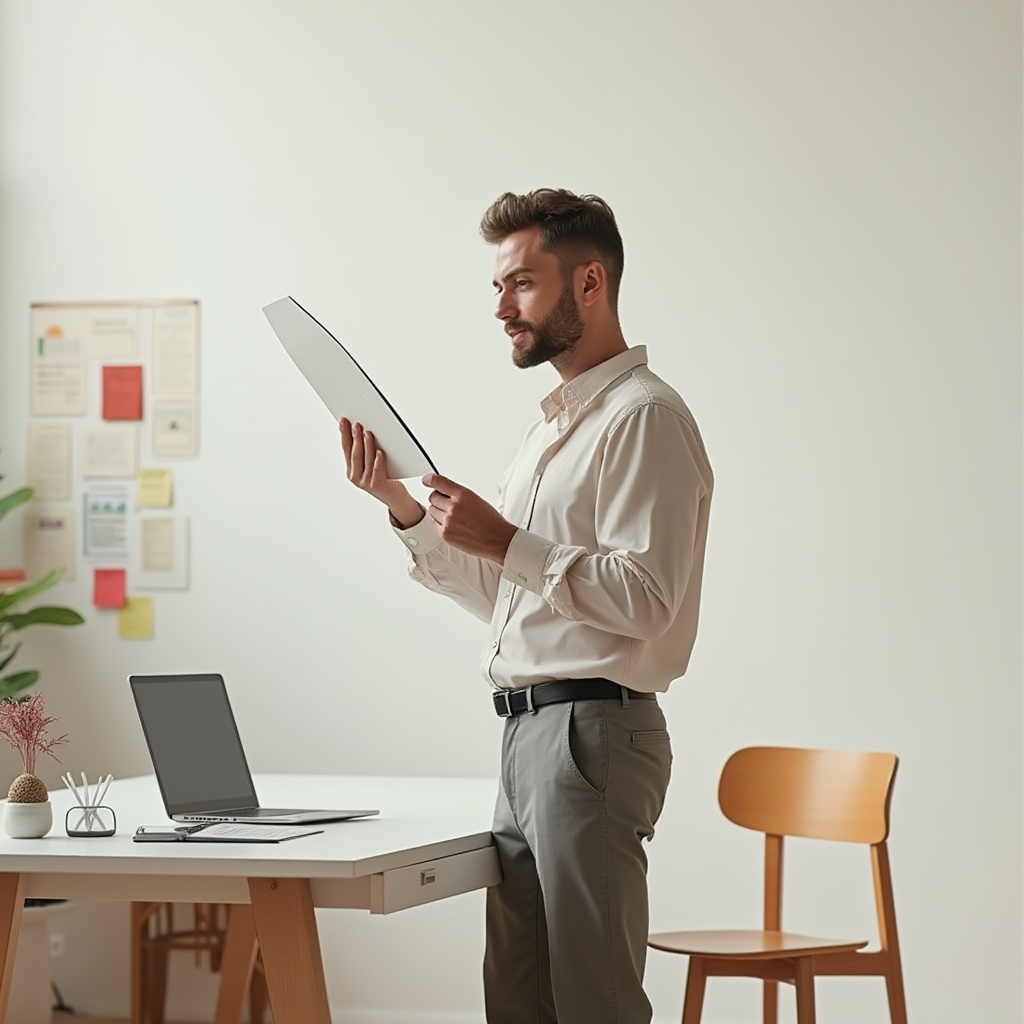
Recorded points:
(568, 400)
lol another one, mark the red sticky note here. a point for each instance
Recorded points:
(122, 392)
(108, 587)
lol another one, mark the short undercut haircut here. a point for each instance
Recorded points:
(577, 229)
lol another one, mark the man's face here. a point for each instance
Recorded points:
(535, 300)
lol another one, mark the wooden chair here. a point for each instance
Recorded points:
(816, 794)
(156, 933)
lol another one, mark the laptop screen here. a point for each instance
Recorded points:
(193, 742)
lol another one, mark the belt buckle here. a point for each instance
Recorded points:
(503, 702)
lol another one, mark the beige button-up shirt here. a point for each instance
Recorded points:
(610, 490)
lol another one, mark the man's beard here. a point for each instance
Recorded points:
(555, 335)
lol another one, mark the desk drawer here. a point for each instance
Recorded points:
(433, 880)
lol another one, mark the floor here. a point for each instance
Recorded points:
(75, 1018)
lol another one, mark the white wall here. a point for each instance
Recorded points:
(822, 215)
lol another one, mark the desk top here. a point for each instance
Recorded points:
(421, 818)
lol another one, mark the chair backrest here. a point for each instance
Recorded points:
(817, 794)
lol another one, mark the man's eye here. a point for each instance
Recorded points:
(522, 284)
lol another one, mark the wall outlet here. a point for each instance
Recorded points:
(56, 946)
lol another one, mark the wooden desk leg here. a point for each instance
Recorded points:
(236, 964)
(286, 926)
(12, 903)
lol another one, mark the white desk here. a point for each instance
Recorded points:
(430, 841)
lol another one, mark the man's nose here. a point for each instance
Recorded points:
(506, 308)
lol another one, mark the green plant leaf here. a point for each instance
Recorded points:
(9, 598)
(48, 615)
(18, 497)
(16, 682)
(5, 661)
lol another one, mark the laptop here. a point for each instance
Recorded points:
(198, 757)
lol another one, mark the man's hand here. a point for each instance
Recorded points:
(466, 521)
(366, 466)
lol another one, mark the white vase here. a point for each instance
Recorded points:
(27, 821)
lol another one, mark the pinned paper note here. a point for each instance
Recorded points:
(175, 428)
(58, 362)
(122, 392)
(50, 541)
(108, 587)
(154, 488)
(105, 532)
(110, 450)
(135, 620)
(49, 461)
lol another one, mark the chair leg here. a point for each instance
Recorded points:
(693, 1002)
(157, 977)
(237, 962)
(139, 924)
(771, 1002)
(257, 998)
(894, 990)
(805, 1013)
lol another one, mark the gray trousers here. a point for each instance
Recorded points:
(582, 785)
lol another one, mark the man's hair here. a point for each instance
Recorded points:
(575, 228)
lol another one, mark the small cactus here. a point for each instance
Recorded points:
(27, 789)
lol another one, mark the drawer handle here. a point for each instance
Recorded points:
(427, 877)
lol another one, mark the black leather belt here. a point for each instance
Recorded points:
(515, 702)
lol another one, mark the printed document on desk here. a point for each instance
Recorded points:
(345, 388)
(221, 832)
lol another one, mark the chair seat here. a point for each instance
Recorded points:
(749, 944)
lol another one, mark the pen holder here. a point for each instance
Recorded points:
(90, 822)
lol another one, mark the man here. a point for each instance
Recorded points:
(589, 572)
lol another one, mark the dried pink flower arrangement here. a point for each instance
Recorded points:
(23, 725)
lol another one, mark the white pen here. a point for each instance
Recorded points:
(89, 816)
(70, 783)
(103, 792)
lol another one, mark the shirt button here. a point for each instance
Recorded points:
(413, 542)
(522, 576)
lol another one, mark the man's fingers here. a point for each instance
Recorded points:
(441, 484)
(356, 463)
(346, 437)
(441, 501)
(369, 454)
(379, 474)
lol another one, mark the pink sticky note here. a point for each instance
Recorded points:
(108, 587)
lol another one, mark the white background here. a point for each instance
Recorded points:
(822, 216)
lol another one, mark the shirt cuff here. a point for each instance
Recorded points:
(420, 539)
(524, 560)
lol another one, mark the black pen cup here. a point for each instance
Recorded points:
(90, 822)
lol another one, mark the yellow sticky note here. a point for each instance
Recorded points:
(154, 488)
(135, 619)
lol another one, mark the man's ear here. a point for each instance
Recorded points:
(593, 281)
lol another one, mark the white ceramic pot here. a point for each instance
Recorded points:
(27, 821)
